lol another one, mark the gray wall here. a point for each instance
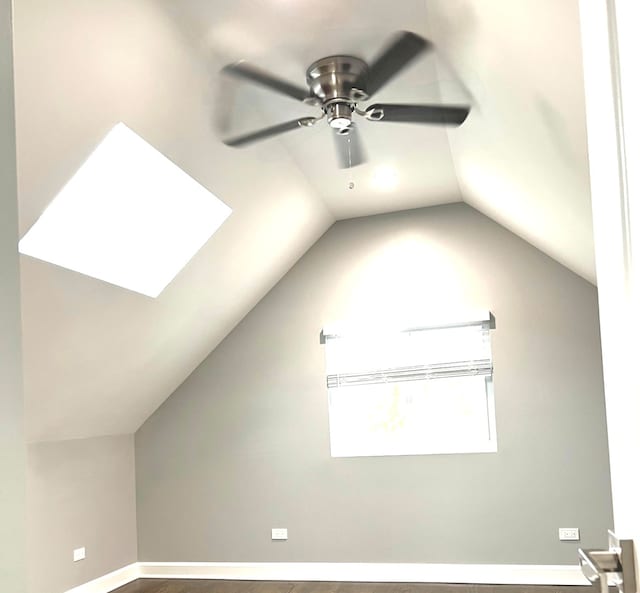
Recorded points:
(243, 444)
(80, 493)
(12, 515)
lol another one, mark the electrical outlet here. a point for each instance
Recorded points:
(279, 533)
(79, 554)
(569, 534)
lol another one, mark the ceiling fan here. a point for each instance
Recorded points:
(337, 84)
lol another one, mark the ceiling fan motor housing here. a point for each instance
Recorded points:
(334, 81)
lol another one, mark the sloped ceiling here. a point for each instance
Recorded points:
(98, 359)
(522, 159)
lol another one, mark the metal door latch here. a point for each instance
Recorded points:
(615, 566)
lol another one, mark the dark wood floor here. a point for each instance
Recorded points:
(220, 586)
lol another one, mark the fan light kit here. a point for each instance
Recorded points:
(336, 84)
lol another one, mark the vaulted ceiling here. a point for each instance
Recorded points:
(99, 359)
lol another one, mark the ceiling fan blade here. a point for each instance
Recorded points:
(404, 47)
(349, 148)
(272, 131)
(265, 79)
(446, 115)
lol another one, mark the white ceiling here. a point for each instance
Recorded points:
(99, 359)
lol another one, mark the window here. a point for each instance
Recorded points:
(129, 216)
(411, 392)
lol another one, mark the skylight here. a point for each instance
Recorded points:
(129, 216)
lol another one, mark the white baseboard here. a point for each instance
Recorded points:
(110, 581)
(494, 574)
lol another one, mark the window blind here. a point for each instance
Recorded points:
(416, 354)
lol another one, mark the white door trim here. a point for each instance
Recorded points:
(610, 44)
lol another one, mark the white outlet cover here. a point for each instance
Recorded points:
(79, 554)
(569, 534)
(279, 533)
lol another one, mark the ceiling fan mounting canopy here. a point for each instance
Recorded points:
(337, 77)
(333, 84)
(338, 83)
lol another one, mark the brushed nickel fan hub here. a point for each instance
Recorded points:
(335, 77)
